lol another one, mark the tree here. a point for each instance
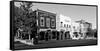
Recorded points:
(22, 17)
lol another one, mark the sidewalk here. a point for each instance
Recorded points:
(52, 41)
(28, 42)
(57, 43)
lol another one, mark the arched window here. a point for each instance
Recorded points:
(67, 25)
(52, 22)
(64, 25)
(42, 22)
(74, 27)
(61, 24)
(47, 22)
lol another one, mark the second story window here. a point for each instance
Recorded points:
(47, 22)
(69, 26)
(61, 24)
(64, 25)
(52, 22)
(42, 24)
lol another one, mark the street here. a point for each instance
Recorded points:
(56, 43)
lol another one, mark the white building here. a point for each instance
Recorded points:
(85, 28)
(63, 23)
(75, 28)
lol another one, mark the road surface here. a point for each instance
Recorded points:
(56, 43)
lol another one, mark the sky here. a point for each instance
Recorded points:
(76, 13)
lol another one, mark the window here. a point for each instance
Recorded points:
(52, 23)
(64, 25)
(47, 22)
(42, 24)
(67, 25)
(74, 27)
(61, 24)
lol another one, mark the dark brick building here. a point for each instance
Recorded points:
(46, 23)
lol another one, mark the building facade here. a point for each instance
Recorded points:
(63, 25)
(85, 28)
(75, 29)
(46, 22)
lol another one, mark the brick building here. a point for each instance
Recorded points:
(46, 23)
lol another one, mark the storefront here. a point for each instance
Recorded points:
(46, 22)
(75, 30)
(63, 25)
(85, 28)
